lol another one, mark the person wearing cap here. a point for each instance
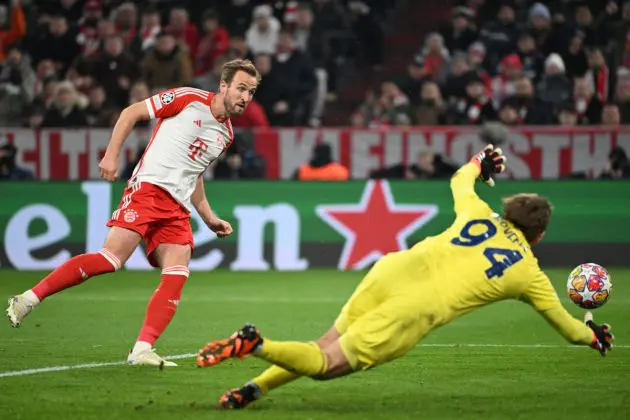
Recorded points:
(555, 87)
(476, 108)
(460, 32)
(262, 35)
(510, 70)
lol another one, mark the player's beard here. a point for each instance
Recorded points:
(232, 108)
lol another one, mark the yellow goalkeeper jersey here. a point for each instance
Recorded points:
(482, 258)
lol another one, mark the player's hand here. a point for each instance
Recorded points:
(490, 161)
(221, 227)
(109, 168)
(602, 338)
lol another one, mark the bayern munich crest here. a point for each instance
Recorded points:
(167, 98)
(130, 215)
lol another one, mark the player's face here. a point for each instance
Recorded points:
(239, 93)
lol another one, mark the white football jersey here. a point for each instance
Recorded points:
(186, 140)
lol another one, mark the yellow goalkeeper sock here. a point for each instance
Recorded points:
(273, 378)
(305, 359)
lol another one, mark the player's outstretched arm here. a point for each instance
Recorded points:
(482, 166)
(127, 120)
(199, 200)
(542, 296)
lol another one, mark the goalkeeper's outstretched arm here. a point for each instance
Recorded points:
(542, 296)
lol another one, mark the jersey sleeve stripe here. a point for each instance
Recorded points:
(190, 93)
(150, 108)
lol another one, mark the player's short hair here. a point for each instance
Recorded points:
(232, 67)
(530, 213)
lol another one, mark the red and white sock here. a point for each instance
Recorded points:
(73, 272)
(162, 306)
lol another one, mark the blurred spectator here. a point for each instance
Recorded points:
(321, 167)
(311, 42)
(262, 35)
(240, 163)
(332, 23)
(460, 33)
(498, 36)
(617, 32)
(390, 108)
(455, 86)
(575, 56)
(237, 48)
(411, 83)
(104, 29)
(296, 72)
(587, 104)
(531, 59)
(503, 85)
(508, 112)
(88, 37)
(97, 112)
(9, 171)
(115, 70)
(477, 61)
(150, 27)
(65, 110)
(623, 99)
(566, 115)
(531, 110)
(369, 36)
(611, 116)
(211, 79)
(435, 57)
(585, 22)
(253, 117)
(58, 44)
(17, 86)
(598, 74)
(476, 108)
(237, 15)
(272, 94)
(547, 41)
(213, 43)
(431, 110)
(125, 18)
(166, 65)
(555, 87)
(617, 166)
(184, 31)
(16, 30)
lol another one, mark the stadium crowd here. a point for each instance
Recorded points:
(519, 62)
(77, 63)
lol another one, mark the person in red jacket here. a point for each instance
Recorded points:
(213, 44)
(184, 31)
(253, 117)
(16, 31)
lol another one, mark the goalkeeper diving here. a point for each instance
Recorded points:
(481, 258)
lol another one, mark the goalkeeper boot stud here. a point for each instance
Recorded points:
(240, 344)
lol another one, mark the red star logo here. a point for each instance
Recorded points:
(375, 226)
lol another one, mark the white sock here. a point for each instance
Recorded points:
(31, 297)
(140, 346)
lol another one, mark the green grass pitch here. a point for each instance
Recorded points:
(521, 370)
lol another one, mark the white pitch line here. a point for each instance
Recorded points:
(190, 355)
(82, 366)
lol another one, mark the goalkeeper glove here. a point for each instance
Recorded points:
(602, 338)
(490, 161)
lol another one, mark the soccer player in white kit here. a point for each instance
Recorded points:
(192, 131)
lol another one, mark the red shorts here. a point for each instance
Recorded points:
(155, 215)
